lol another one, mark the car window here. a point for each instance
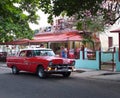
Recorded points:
(43, 53)
(22, 54)
(29, 53)
(36, 52)
(50, 53)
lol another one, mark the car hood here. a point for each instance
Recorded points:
(57, 60)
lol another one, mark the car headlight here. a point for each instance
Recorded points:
(50, 63)
(72, 63)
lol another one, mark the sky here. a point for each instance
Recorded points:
(42, 21)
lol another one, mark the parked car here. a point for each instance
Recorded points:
(3, 56)
(41, 61)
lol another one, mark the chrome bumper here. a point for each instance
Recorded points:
(67, 69)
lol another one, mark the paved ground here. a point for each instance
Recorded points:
(89, 73)
(100, 74)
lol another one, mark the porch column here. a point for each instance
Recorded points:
(48, 45)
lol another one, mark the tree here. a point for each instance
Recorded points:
(90, 26)
(106, 8)
(15, 16)
(92, 15)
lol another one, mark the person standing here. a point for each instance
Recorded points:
(82, 48)
(42, 45)
(63, 52)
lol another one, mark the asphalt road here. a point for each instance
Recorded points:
(27, 85)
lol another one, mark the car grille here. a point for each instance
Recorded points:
(60, 66)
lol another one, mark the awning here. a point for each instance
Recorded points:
(57, 37)
(18, 42)
(63, 36)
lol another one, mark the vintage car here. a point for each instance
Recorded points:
(42, 61)
(3, 56)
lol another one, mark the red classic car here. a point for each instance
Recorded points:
(41, 61)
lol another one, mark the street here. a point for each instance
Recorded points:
(27, 85)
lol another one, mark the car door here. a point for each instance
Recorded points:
(28, 60)
(21, 60)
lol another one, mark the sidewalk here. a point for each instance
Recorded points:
(3, 64)
(98, 74)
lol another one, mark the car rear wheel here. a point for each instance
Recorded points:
(66, 74)
(15, 70)
(40, 72)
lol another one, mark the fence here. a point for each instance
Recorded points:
(99, 59)
(88, 63)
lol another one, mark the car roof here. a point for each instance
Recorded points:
(36, 49)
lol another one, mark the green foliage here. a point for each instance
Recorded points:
(94, 25)
(91, 15)
(14, 22)
(15, 15)
(90, 25)
(83, 9)
(75, 6)
(56, 7)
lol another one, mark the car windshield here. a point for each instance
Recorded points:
(43, 53)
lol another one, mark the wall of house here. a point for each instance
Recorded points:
(104, 36)
(104, 39)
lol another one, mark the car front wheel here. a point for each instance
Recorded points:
(15, 70)
(40, 72)
(66, 74)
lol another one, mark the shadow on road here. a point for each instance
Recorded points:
(32, 75)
